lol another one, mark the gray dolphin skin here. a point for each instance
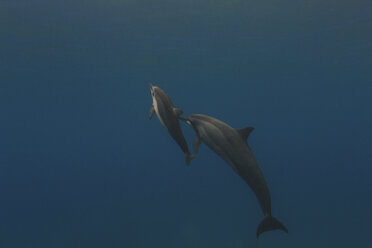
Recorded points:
(168, 117)
(231, 145)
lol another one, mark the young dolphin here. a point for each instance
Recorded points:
(168, 116)
(231, 145)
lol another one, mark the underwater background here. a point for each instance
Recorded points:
(82, 166)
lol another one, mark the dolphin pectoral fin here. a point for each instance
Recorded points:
(151, 112)
(245, 132)
(177, 111)
(196, 143)
(189, 157)
(269, 224)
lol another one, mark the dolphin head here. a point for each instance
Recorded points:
(197, 121)
(190, 120)
(152, 89)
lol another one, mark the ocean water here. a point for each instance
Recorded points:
(82, 166)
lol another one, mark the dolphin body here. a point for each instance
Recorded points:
(231, 145)
(168, 117)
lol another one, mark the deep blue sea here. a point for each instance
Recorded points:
(81, 166)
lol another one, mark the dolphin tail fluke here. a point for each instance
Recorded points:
(189, 157)
(269, 224)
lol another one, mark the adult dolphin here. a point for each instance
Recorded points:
(231, 145)
(168, 116)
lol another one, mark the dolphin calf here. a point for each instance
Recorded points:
(231, 145)
(168, 116)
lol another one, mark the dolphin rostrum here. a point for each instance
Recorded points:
(231, 145)
(168, 116)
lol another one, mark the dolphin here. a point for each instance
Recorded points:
(231, 145)
(168, 117)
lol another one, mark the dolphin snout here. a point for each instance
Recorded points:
(185, 119)
(151, 89)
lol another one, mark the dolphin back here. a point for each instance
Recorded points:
(269, 224)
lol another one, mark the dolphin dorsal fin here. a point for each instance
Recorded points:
(245, 132)
(177, 111)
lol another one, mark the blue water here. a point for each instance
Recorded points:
(82, 166)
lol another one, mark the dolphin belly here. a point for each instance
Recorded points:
(156, 107)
